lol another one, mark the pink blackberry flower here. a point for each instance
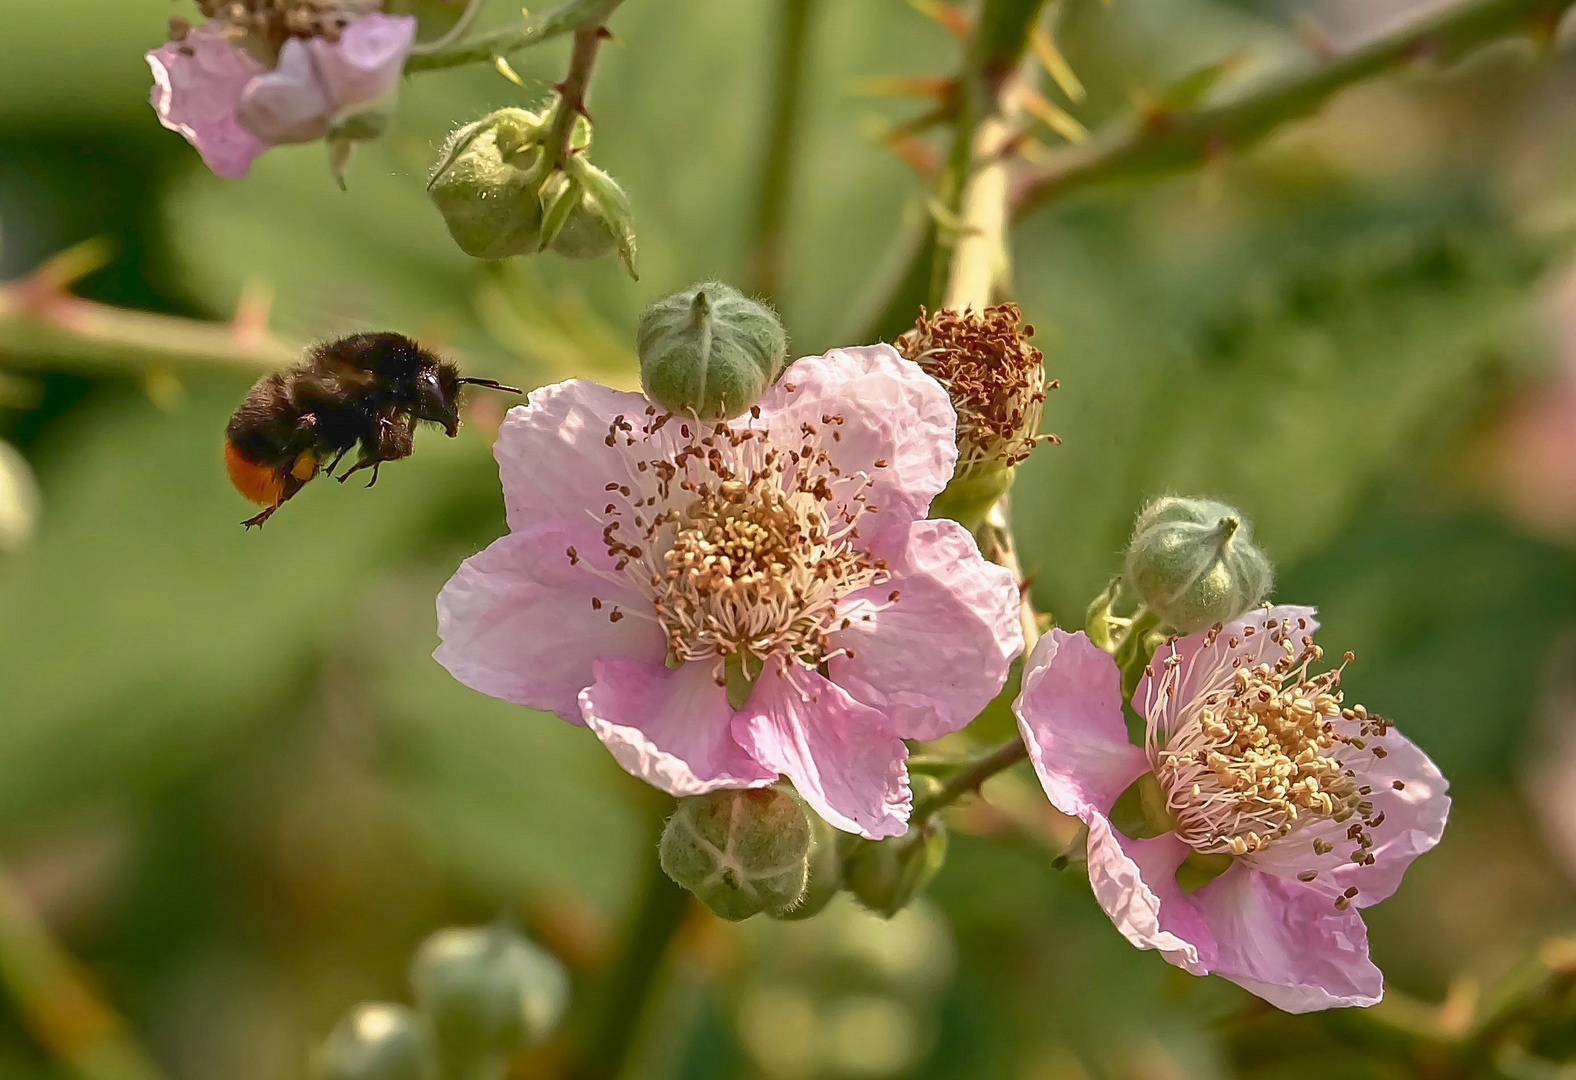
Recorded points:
(724, 604)
(1254, 767)
(269, 72)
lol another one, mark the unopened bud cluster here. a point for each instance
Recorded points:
(760, 850)
(709, 351)
(1193, 563)
(482, 994)
(505, 187)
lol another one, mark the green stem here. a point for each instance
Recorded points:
(763, 271)
(630, 987)
(572, 91)
(967, 780)
(1174, 140)
(55, 1003)
(566, 18)
(461, 27)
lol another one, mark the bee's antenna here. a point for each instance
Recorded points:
(493, 385)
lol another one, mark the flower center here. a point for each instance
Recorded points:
(273, 22)
(1267, 756)
(744, 548)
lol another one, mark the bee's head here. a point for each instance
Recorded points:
(438, 396)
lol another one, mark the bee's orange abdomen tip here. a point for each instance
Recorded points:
(259, 483)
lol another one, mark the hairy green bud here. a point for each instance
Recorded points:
(824, 878)
(376, 1041)
(601, 220)
(487, 184)
(885, 875)
(487, 992)
(739, 852)
(1193, 563)
(709, 351)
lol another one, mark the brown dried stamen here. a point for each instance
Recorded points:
(996, 379)
(273, 22)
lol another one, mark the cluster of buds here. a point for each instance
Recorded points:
(761, 850)
(996, 380)
(261, 73)
(517, 182)
(483, 994)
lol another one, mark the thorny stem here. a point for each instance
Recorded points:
(572, 91)
(55, 1003)
(43, 325)
(763, 270)
(1174, 140)
(568, 17)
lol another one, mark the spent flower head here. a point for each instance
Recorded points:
(734, 601)
(1260, 814)
(995, 378)
(262, 73)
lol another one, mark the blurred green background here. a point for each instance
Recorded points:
(235, 786)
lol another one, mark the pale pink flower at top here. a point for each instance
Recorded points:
(211, 87)
(1317, 807)
(649, 556)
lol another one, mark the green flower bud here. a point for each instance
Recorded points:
(1193, 563)
(709, 351)
(602, 219)
(886, 875)
(824, 879)
(739, 852)
(376, 1041)
(487, 184)
(487, 992)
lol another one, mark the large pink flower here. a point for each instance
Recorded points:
(650, 557)
(1318, 807)
(231, 107)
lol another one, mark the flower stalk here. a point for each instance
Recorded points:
(569, 17)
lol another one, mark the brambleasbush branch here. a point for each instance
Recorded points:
(566, 18)
(1179, 139)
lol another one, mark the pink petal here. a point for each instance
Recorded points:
(1208, 667)
(1286, 943)
(516, 621)
(366, 62)
(197, 96)
(553, 456)
(1070, 716)
(892, 411)
(287, 104)
(841, 756)
(1135, 882)
(933, 658)
(670, 727)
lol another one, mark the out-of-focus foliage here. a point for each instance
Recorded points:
(234, 782)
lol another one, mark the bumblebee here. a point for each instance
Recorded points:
(366, 390)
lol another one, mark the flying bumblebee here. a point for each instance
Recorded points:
(366, 389)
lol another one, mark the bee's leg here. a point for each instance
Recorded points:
(375, 467)
(260, 518)
(335, 463)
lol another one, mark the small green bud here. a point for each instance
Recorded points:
(709, 351)
(376, 1041)
(19, 499)
(1193, 562)
(487, 184)
(602, 220)
(739, 852)
(487, 992)
(824, 879)
(886, 875)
